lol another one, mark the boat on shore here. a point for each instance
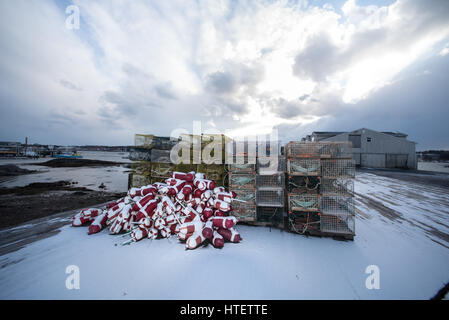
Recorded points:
(69, 156)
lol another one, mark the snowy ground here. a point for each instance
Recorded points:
(402, 227)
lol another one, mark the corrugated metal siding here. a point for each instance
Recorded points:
(396, 160)
(373, 153)
(373, 160)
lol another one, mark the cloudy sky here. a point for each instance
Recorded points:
(239, 67)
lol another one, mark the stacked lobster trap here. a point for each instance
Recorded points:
(270, 190)
(242, 180)
(151, 156)
(320, 188)
(312, 180)
(152, 159)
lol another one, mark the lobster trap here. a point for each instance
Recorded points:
(244, 212)
(308, 202)
(212, 153)
(335, 150)
(271, 165)
(304, 222)
(215, 172)
(160, 156)
(270, 181)
(140, 154)
(302, 150)
(303, 167)
(141, 167)
(143, 140)
(158, 179)
(270, 198)
(271, 215)
(338, 168)
(159, 169)
(341, 224)
(242, 181)
(248, 195)
(185, 167)
(337, 187)
(150, 141)
(137, 180)
(302, 184)
(242, 168)
(337, 205)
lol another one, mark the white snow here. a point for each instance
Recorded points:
(413, 261)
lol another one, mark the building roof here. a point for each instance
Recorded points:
(396, 134)
(328, 132)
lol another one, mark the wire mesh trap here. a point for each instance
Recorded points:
(270, 198)
(337, 187)
(137, 180)
(270, 181)
(338, 168)
(271, 165)
(244, 212)
(248, 195)
(161, 169)
(301, 184)
(335, 150)
(273, 215)
(303, 167)
(242, 168)
(338, 224)
(302, 150)
(336, 205)
(303, 222)
(303, 202)
(161, 156)
(242, 181)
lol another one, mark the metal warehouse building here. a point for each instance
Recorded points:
(375, 149)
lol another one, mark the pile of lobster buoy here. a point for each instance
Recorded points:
(187, 205)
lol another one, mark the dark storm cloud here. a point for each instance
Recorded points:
(286, 109)
(232, 87)
(138, 92)
(318, 60)
(153, 82)
(416, 105)
(328, 103)
(222, 83)
(165, 91)
(238, 108)
(236, 76)
(321, 57)
(69, 85)
(123, 104)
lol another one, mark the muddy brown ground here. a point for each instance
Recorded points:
(37, 200)
(10, 170)
(63, 163)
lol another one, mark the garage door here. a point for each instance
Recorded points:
(373, 160)
(396, 160)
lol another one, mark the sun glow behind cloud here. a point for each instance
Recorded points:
(245, 66)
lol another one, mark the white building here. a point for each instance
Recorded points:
(375, 149)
